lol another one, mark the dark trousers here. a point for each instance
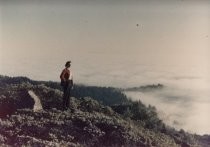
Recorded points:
(66, 95)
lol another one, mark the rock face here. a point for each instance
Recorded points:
(30, 115)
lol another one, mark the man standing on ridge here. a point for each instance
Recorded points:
(67, 84)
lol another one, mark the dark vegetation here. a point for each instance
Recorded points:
(105, 95)
(101, 116)
(147, 88)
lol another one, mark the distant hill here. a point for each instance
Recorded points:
(99, 116)
(146, 88)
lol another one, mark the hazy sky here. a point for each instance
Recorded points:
(45, 34)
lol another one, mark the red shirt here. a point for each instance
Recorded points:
(65, 75)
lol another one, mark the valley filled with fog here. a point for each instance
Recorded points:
(183, 102)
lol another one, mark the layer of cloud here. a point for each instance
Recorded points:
(180, 108)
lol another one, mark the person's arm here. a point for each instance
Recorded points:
(71, 78)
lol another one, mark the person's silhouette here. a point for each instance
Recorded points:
(67, 84)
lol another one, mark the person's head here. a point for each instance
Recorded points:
(68, 64)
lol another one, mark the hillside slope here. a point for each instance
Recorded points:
(87, 123)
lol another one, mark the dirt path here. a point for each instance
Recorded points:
(37, 104)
